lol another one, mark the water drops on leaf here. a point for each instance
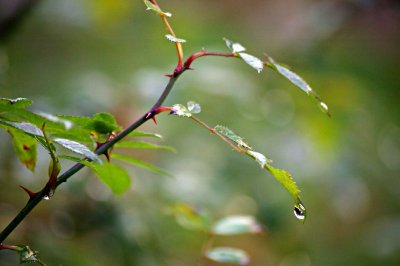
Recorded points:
(174, 39)
(25, 127)
(78, 148)
(259, 157)
(193, 107)
(67, 124)
(151, 6)
(234, 47)
(300, 211)
(180, 110)
(237, 224)
(17, 102)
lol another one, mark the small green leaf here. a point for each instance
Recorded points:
(228, 255)
(143, 145)
(18, 102)
(238, 224)
(145, 134)
(189, 217)
(174, 39)
(27, 255)
(259, 157)
(112, 175)
(299, 82)
(140, 163)
(239, 141)
(77, 148)
(104, 123)
(151, 6)
(252, 61)
(285, 178)
(26, 148)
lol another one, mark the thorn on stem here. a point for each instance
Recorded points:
(30, 193)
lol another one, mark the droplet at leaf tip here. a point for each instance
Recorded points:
(300, 211)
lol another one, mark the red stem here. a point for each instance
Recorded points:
(194, 56)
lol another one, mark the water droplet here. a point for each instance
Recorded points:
(300, 211)
(324, 107)
(46, 197)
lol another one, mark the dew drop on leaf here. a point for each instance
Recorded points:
(46, 197)
(300, 211)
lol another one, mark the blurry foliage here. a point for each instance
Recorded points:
(85, 57)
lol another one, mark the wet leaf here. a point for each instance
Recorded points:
(238, 224)
(180, 110)
(228, 255)
(17, 103)
(145, 134)
(77, 148)
(285, 178)
(143, 145)
(239, 141)
(27, 255)
(174, 39)
(234, 47)
(252, 61)
(140, 163)
(25, 127)
(26, 148)
(299, 82)
(113, 176)
(259, 157)
(66, 123)
(189, 217)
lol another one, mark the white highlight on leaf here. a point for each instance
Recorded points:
(174, 39)
(253, 61)
(237, 224)
(234, 47)
(293, 77)
(151, 6)
(26, 127)
(259, 157)
(228, 255)
(78, 148)
(67, 124)
(180, 110)
(194, 107)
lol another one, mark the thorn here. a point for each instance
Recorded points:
(189, 68)
(169, 75)
(154, 120)
(107, 154)
(30, 193)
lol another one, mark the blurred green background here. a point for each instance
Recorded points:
(82, 57)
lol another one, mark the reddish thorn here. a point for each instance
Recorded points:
(107, 154)
(189, 68)
(154, 120)
(169, 75)
(30, 193)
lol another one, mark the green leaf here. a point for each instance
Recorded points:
(239, 141)
(140, 163)
(25, 127)
(144, 134)
(151, 6)
(189, 217)
(234, 47)
(66, 123)
(143, 145)
(228, 255)
(285, 178)
(17, 103)
(27, 255)
(113, 176)
(299, 82)
(252, 61)
(104, 123)
(238, 224)
(174, 39)
(77, 148)
(26, 148)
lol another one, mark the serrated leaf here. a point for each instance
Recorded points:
(228, 255)
(114, 176)
(193, 107)
(189, 217)
(25, 147)
(25, 127)
(77, 148)
(239, 141)
(17, 103)
(252, 61)
(140, 163)
(234, 47)
(174, 39)
(143, 145)
(237, 224)
(144, 134)
(151, 6)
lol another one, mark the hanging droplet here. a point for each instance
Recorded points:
(46, 197)
(324, 108)
(300, 211)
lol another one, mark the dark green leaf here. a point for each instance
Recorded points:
(140, 163)
(238, 224)
(77, 148)
(228, 255)
(104, 123)
(143, 145)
